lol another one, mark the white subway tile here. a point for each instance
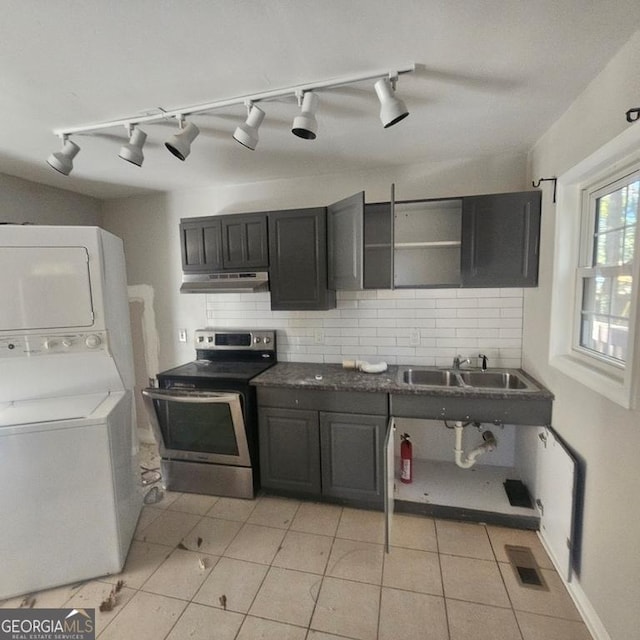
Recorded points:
(501, 302)
(376, 304)
(377, 322)
(457, 322)
(359, 351)
(378, 342)
(395, 294)
(358, 313)
(456, 303)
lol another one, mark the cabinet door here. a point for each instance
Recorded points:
(378, 224)
(298, 259)
(352, 447)
(245, 241)
(201, 244)
(345, 222)
(500, 237)
(289, 450)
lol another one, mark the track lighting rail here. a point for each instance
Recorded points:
(264, 96)
(305, 125)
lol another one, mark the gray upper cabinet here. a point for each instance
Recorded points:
(244, 241)
(345, 223)
(500, 239)
(298, 258)
(232, 242)
(201, 244)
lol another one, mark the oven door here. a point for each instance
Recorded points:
(202, 426)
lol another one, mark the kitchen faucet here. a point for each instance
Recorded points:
(458, 361)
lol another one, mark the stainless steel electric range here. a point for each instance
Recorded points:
(204, 414)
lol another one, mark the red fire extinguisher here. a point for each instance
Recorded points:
(406, 459)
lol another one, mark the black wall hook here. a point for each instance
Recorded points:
(555, 184)
(633, 114)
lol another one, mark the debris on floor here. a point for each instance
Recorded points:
(153, 496)
(111, 600)
(223, 601)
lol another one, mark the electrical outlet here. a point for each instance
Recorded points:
(318, 336)
(414, 337)
(182, 335)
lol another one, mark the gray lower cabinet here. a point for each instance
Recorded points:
(336, 455)
(290, 450)
(352, 450)
(298, 260)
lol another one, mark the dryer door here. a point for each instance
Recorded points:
(45, 288)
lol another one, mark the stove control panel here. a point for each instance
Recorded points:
(237, 340)
(41, 345)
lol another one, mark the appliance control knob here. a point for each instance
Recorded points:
(93, 341)
(267, 339)
(257, 339)
(67, 342)
(50, 344)
(200, 338)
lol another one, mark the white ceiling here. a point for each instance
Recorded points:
(492, 76)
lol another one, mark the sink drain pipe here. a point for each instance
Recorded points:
(466, 462)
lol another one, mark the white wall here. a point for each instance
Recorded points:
(605, 436)
(149, 228)
(24, 201)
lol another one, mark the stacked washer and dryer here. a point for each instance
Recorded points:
(70, 492)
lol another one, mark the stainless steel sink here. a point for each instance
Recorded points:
(429, 377)
(500, 379)
(494, 380)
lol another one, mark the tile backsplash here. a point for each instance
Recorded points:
(406, 326)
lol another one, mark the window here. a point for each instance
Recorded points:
(605, 282)
(596, 274)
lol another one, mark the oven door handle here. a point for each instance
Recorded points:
(191, 396)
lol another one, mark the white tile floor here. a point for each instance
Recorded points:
(202, 567)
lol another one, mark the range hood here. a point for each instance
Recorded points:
(225, 282)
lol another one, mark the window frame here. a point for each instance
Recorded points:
(586, 268)
(575, 223)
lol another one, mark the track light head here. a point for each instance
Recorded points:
(62, 161)
(305, 125)
(180, 143)
(392, 109)
(132, 151)
(247, 133)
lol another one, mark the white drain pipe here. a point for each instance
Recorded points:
(489, 444)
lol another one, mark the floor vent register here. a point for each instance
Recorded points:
(525, 567)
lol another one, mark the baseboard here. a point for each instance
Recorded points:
(580, 599)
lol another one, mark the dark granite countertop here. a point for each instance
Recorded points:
(333, 377)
